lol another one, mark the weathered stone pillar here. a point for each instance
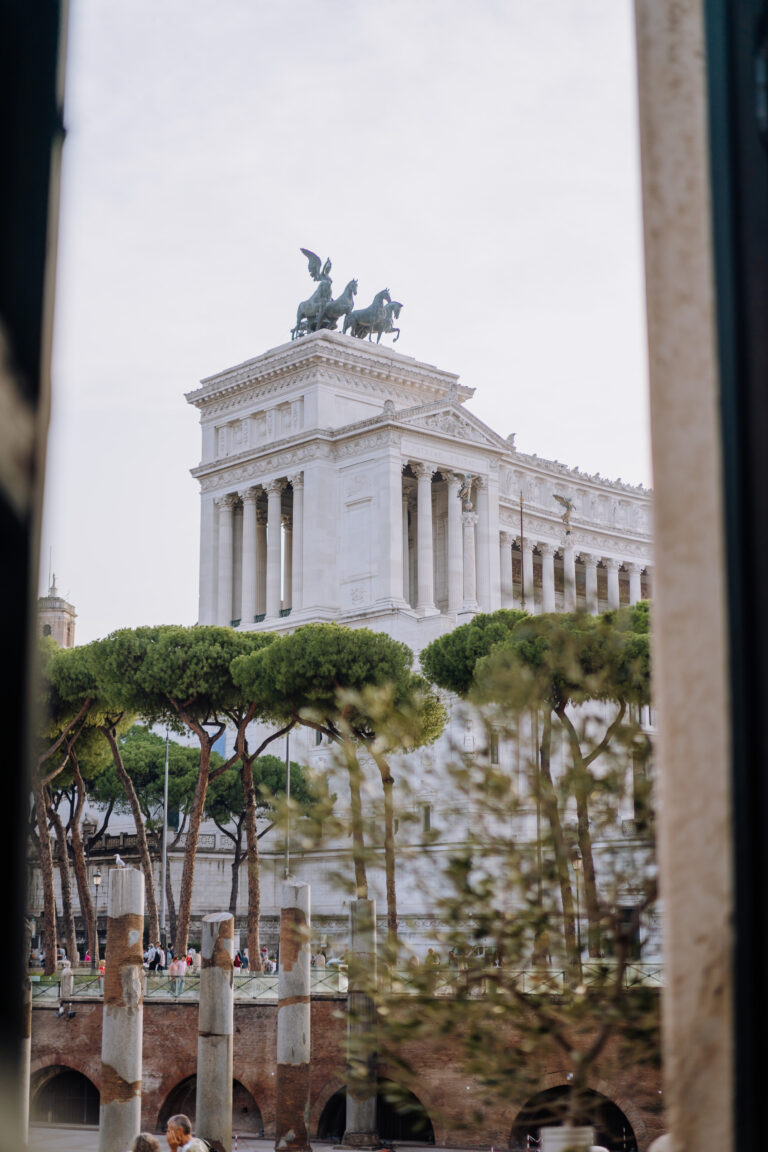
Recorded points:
(123, 1018)
(425, 576)
(528, 598)
(297, 546)
(248, 596)
(547, 577)
(361, 1130)
(226, 507)
(469, 521)
(635, 593)
(274, 516)
(215, 1027)
(292, 1089)
(455, 558)
(612, 568)
(569, 576)
(505, 543)
(590, 579)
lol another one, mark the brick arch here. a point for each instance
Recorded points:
(604, 1088)
(334, 1083)
(165, 1092)
(64, 1063)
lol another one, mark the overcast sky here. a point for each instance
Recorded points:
(478, 159)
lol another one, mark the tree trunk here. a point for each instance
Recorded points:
(181, 937)
(81, 872)
(171, 902)
(234, 889)
(252, 854)
(549, 805)
(388, 782)
(356, 812)
(65, 880)
(50, 943)
(141, 835)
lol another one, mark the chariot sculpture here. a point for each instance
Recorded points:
(320, 311)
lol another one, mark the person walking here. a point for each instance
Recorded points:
(178, 1133)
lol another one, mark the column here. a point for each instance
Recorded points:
(528, 600)
(507, 595)
(248, 594)
(612, 568)
(569, 575)
(425, 602)
(207, 608)
(225, 506)
(293, 1021)
(297, 552)
(406, 551)
(360, 1130)
(287, 522)
(215, 1028)
(261, 562)
(469, 523)
(274, 516)
(122, 1020)
(635, 593)
(547, 553)
(455, 548)
(483, 545)
(590, 571)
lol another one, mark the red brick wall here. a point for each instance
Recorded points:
(170, 1055)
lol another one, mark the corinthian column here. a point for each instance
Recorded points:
(547, 554)
(528, 598)
(469, 522)
(406, 551)
(483, 545)
(569, 576)
(274, 515)
(455, 557)
(505, 541)
(248, 609)
(288, 561)
(635, 593)
(612, 567)
(425, 574)
(225, 507)
(261, 562)
(590, 573)
(297, 551)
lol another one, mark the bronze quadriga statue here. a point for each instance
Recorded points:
(321, 311)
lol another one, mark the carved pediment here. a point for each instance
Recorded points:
(458, 425)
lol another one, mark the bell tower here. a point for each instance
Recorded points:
(56, 617)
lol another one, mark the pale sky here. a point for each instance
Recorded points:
(478, 159)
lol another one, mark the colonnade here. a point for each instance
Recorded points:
(523, 592)
(267, 567)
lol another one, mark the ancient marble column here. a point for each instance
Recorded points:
(483, 544)
(425, 602)
(455, 546)
(274, 517)
(612, 568)
(469, 523)
(590, 574)
(547, 553)
(261, 562)
(293, 1021)
(225, 507)
(569, 575)
(635, 593)
(507, 594)
(288, 561)
(297, 547)
(122, 1022)
(215, 1028)
(361, 1130)
(248, 595)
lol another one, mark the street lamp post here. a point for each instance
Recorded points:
(97, 886)
(577, 864)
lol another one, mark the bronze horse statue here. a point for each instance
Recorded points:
(309, 311)
(362, 321)
(335, 309)
(385, 323)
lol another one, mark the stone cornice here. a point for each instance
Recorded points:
(574, 475)
(364, 365)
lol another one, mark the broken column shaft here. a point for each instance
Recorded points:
(292, 1103)
(213, 1116)
(361, 1128)
(121, 1035)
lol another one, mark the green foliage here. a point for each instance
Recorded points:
(224, 800)
(450, 660)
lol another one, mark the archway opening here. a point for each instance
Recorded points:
(246, 1115)
(548, 1109)
(400, 1115)
(62, 1095)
